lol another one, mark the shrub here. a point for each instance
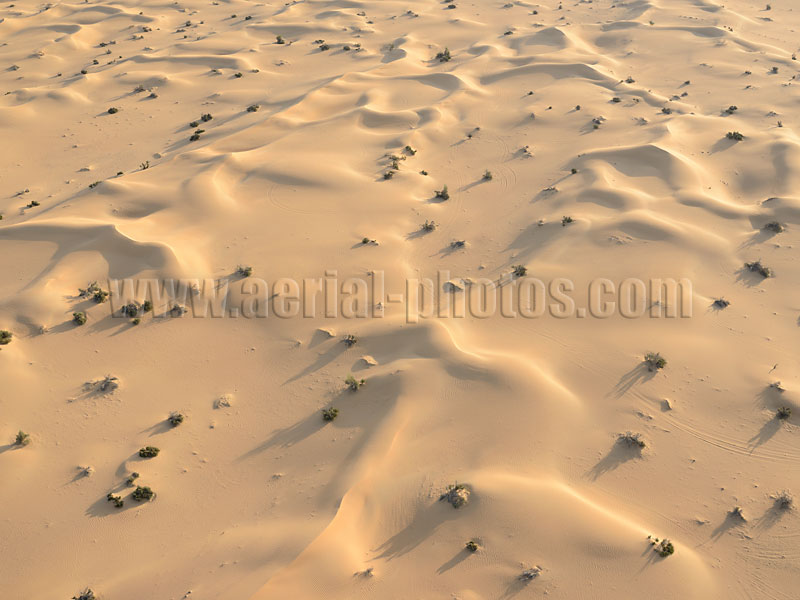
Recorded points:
(443, 194)
(654, 361)
(329, 414)
(5, 337)
(472, 546)
(666, 110)
(79, 318)
(92, 185)
(353, 384)
(757, 267)
(136, 321)
(131, 478)
(520, 270)
(145, 165)
(117, 500)
(205, 118)
(721, 303)
(664, 548)
(632, 440)
(566, 221)
(444, 55)
(388, 174)
(244, 271)
(253, 108)
(784, 500)
(774, 226)
(147, 306)
(279, 40)
(731, 109)
(140, 494)
(22, 439)
(176, 419)
(109, 383)
(324, 47)
(783, 413)
(409, 150)
(616, 99)
(734, 135)
(194, 124)
(456, 494)
(148, 452)
(113, 110)
(132, 309)
(350, 340)
(487, 176)
(429, 225)
(238, 75)
(573, 170)
(86, 594)
(458, 244)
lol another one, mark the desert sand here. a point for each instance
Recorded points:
(614, 114)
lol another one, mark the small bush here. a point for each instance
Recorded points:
(132, 309)
(443, 194)
(79, 318)
(131, 478)
(632, 440)
(148, 452)
(238, 75)
(783, 413)
(757, 267)
(147, 306)
(244, 271)
(721, 303)
(353, 384)
(324, 47)
(666, 110)
(664, 548)
(734, 135)
(22, 439)
(566, 221)
(194, 124)
(654, 361)
(472, 546)
(456, 494)
(206, 117)
(388, 174)
(487, 176)
(109, 383)
(86, 594)
(429, 225)
(92, 185)
(113, 110)
(329, 414)
(279, 40)
(458, 244)
(784, 500)
(520, 270)
(350, 340)
(444, 55)
(253, 108)
(616, 99)
(530, 574)
(409, 150)
(5, 337)
(176, 419)
(143, 493)
(731, 109)
(117, 500)
(774, 226)
(145, 165)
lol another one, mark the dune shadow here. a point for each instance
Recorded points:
(323, 359)
(460, 557)
(425, 523)
(765, 434)
(731, 521)
(641, 373)
(319, 337)
(618, 455)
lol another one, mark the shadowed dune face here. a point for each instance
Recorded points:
(240, 147)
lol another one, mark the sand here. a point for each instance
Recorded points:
(257, 497)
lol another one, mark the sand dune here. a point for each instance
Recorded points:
(232, 150)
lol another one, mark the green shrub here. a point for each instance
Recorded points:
(487, 176)
(5, 337)
(443, 194)
(472, 546)
(566, 221)
(734, 135)
(429, 225)
(664, 548)
(633, 440)
(143, 493)
(444, 55)
(147, 306)
(132, 309)
(654, 361)
(520, 270)
(79, 318)
(131, 478)
(353, 384)
(456, 494)
(721, 303)
(350, 340)
(279, 40)
(329, 414)
(176, 419)
(205, 118)
(253, 108)
(244, 271)
(113, 110)
(149, 452)
(117, 500)
(757, 267)
(22, 439)
(774, 226)
(86, 594)
(783, 413)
